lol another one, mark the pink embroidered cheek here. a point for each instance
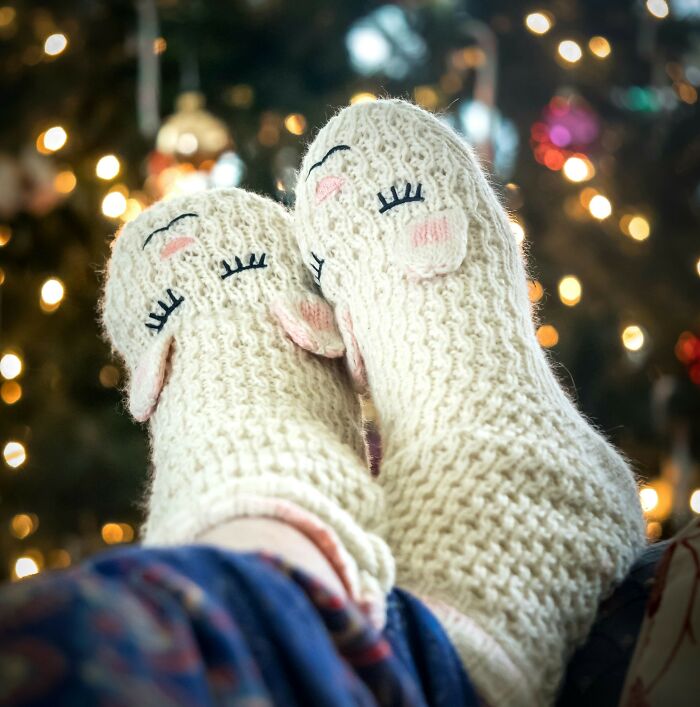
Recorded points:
(430, 232)
(327, 187)
(319, 316)
(175, 246)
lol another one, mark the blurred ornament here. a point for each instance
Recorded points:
(600, 47)
(385, 42)
(192, 133)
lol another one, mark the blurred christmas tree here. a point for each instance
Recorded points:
(587, 113)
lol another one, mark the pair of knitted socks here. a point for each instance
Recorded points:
(501, 505)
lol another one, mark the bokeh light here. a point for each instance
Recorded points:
(539, 22)
(638, 228)
(52, 293)
(535, 291)
(570, 290)
(295, 123)
(54, 139)
(599, 47)
(25, 567)
(107, 167)
(10, 392)
(5, 235)
(658, 8)
(362, 97)
(569, 51)
(10, 365)
(633, 337)
(547, 336)
(578, 168)
(14, 454)
(115, 533)
(648, 498)
(695, 501)
(114, 204)
(55, 44)
(23, 525)
(600, 207)
(64, 182)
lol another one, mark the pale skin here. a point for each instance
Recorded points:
(276, 538)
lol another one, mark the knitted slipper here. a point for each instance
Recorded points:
(242, 421)
(508, 511)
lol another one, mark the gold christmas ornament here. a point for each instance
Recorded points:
(192, 132)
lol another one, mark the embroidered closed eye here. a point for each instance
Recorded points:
(396, 200)
(163, 229)
(166, 310)
(253, 264)
(317, 267)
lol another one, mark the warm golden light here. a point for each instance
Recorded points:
(648, 498)
(14, 454)
(109, 376)
(695, 501)
(600, 47)
(55, 44)
(114, 204)
(52, 292)
(654, 530)
(697, 266)
(54, 138)
(107, 167)
(23, 525)
(25, 567)
(600, 207)
(362, 97)
(578, 168)
(159, 45)
(539, 22)
(570, 51)
(638, 228)
(570, 290)
(2, 276)
(10, 365)
(586, 195)
(5, 235)
(535, 291)
(7, 16)
(64, 182)
(115, 533)
(516, 228)
(59, 559)
(632, 337)
(10, 392)
(295, 123)
(547, 336)
(658, 8)
(427, 97)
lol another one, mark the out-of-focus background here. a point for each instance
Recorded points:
(585, 111)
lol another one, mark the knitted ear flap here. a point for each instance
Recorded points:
(356, 364)
(432, 246)
(309, 322)
(148, 380)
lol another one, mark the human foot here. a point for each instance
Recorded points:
(243, 423)
(507, 508)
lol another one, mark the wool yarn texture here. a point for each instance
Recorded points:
(508, 512)
(242, 421)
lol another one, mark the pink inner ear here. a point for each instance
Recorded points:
(328, 186)
(430, 231)
(318, 314)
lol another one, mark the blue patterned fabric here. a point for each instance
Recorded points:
(201, 626)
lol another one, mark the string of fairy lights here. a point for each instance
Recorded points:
(194, 151)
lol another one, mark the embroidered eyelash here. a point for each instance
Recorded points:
(317, 267)
(252, 265)
(168, 309)
(396, 199)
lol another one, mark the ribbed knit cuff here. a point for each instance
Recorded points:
(497, 677)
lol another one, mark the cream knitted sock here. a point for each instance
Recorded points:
(242, 421)
(508, 511)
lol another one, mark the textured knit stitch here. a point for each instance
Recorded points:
(507, 509)
(242, 421)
